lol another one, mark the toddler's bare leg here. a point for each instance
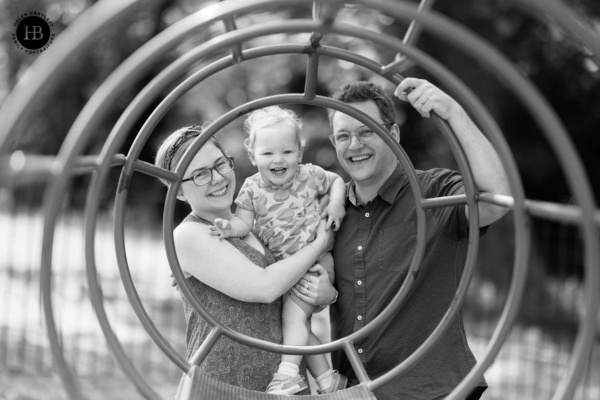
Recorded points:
(317, 363)
(295, 329)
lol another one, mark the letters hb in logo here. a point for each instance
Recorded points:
(33, 32)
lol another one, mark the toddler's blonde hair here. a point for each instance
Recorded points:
(269, 116)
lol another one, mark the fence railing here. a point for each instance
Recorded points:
(529, 366)
(23, 337)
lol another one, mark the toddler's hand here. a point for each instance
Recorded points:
(335, 215)
(221, 228)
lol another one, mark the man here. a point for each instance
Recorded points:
(376, 243)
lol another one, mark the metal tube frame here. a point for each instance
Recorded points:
(555, 133)
(453, 309)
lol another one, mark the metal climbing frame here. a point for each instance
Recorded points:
(47, 71)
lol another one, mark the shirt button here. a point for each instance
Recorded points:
(360, 351)
(360, 247)
(359, 283)
(367, 215)
(359, 317)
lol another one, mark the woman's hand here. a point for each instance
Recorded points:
(314, 287)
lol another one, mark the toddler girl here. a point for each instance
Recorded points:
(281, 202)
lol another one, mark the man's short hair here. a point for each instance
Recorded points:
(361, 91)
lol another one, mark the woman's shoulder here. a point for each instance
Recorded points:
(190, 230)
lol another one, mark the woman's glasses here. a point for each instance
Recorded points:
(203, 176)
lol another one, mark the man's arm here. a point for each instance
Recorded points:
(321, 291)
(485, 163)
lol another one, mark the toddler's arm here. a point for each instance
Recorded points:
(238, 226)
(335, 210)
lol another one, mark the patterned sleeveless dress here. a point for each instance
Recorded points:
(229, 361)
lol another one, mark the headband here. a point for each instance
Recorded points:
(184, 137)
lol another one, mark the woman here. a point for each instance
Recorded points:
(237, 280)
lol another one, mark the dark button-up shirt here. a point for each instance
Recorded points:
(373, 251)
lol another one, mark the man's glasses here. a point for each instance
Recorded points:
(204, 176)
(343, 139)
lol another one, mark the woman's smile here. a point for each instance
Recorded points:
(220, 192)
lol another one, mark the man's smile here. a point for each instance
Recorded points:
(357, 159)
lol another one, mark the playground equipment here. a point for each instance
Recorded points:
(46, 71)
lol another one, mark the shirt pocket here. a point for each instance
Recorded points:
(397, 247)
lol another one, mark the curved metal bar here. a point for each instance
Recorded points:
(49, 68)
(561, 213)
(580, 186)
(119, 229)
(465, 274)
(592, 257)
(414, 29)
(312, 70)
(522, 238)
(456, 200)
(122, 185)
(214, 128)
(76, 138)
(151, 170)
(41, 79)
(168, 101)
(324, 13)
(20, 169)
(578, 181)
(97, 300)
(563, 15)
(206, 346)
(357, 365)
(178, 91)
(119, 236)
(141, 59)
(412, 34)
(236, 51)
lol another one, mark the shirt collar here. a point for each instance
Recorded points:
(388, 191)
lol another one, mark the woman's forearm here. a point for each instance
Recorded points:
(282, 275)
(221, 266)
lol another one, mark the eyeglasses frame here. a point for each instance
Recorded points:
(332, 138)
(211, 169)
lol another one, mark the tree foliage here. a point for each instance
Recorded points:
(564, 72)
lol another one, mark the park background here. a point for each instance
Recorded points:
(537, 353)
